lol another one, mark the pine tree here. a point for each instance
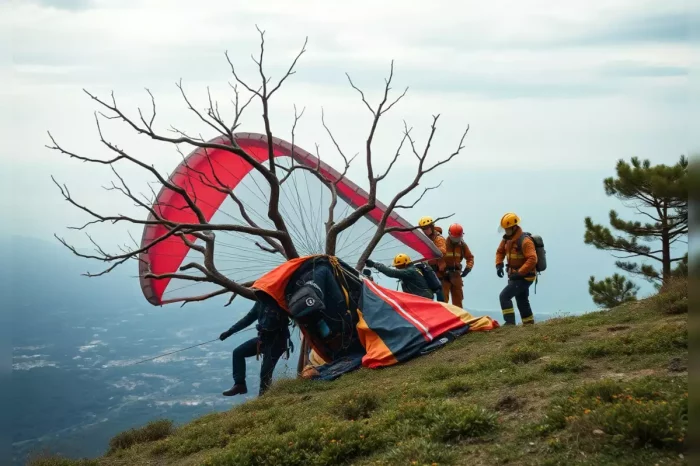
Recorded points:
(660, 193)
(612, 291)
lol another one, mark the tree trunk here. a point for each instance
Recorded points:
(331, 242)
(665, 246)
(302, 361)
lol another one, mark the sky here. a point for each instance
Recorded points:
(554, 93)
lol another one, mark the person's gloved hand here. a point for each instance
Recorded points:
(499, 270)
(225, 335)
(466, 271)
(369, 262)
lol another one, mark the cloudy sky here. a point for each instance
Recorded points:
(554, 93)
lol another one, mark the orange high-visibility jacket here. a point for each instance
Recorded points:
(455, 253)
(439, 241)
(524, 261)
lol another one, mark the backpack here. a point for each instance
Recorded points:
(429, 275)
(271, 319)
(541, 265)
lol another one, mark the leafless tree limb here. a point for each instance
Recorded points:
(267, 249)
(202, 297)
(414, 227)
(238, 108)
(420, 198)
(421, 171)
(233, 148)
(352, 218)
(199, 235)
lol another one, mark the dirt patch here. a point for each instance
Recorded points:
(508, 403)
(628, 375)
(677, 365)
(617, 328)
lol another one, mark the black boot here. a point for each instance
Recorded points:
(237, 389)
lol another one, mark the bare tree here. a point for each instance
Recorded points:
(278, 240)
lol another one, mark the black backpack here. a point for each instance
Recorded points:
(430, 276)
(541, 265)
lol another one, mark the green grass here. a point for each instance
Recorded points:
(154, 430)
(608, 387)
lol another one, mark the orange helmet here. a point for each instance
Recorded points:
(456, 232)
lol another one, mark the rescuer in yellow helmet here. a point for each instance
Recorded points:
(519, 250)
(412, 280)
(434, 232)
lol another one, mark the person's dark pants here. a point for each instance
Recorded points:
(270, 352)
(520, 290)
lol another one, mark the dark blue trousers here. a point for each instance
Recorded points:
(270, 351)
(520, 290)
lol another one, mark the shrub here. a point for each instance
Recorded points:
(446, 421)
(523, 355)
(678, 307)
(597, 349)
(318, 444)
(355, 406)
(642, 423)
(648, 412)
(457, 387)
(456, 424)
(154, 430)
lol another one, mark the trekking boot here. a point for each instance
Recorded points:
(237, 389)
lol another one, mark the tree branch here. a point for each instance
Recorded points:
(233, 148)
(361, 211)
(420, 198)
(415, 227)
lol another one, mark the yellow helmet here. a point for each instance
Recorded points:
(509, 220)
(401, 259)
(425, 222)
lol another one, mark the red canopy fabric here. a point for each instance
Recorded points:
(195, 175)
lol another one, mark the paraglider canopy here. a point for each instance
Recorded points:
(204, 172)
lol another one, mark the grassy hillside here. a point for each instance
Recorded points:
(609, 387)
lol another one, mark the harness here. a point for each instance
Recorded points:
(264, 317)
(509, 253)
(458, 257)
(342, 274)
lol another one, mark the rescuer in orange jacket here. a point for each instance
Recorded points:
(434, 232)
(520, 269)
(456, 250)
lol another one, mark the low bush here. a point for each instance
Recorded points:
(154, 430)
(355, 406)
(446, 421)
(647, 412)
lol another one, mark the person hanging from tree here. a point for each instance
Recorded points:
(272, 341)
